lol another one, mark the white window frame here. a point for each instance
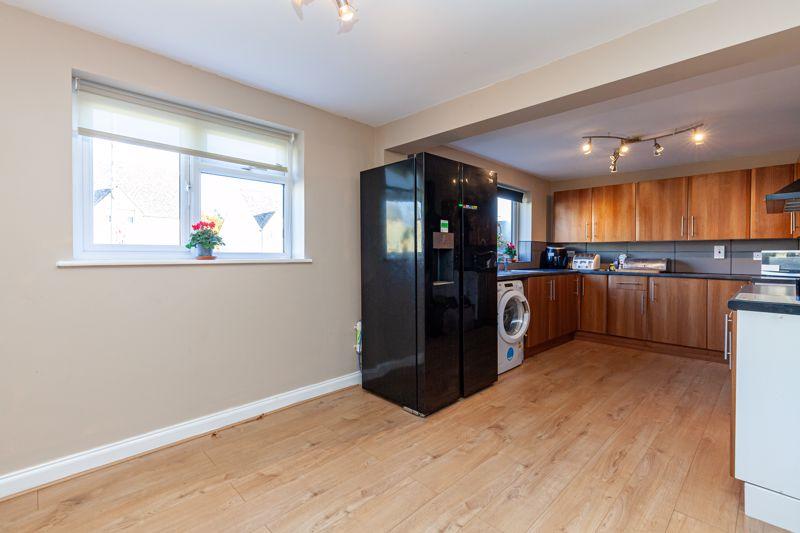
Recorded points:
(515, 226)
(189, 208)
(205, 166)
(515, 215)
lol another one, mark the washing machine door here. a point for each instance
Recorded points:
(514, 315)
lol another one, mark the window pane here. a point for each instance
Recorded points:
(136, 194)
(251, 212)
(504, 210)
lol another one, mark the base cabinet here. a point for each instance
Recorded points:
(565, 318)
(553, 301)
(682, 312)
(719, 292)
(593, 302)
(676, 311)
(539, 295)
(627, 306)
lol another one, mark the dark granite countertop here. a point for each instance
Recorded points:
(767, 298)
(522, 274)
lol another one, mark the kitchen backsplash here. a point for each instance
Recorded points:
(692, 256)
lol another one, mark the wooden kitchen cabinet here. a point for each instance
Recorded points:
(763, 181)
(661, 210)
(627, 305)
(564, 316)
(719, 292)
(554, 307)
(538, 293)
(592, 303)
(572, 215)
(719, 206)
(614, 213)
(676, 311)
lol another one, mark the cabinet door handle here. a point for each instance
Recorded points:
(583, 287)
(586, 231)
(577, 286)
(792, 223)
(594, 233)
(730, 349)
(683, 221)
(692, 230)
(642, 303)
(725, 339)
(652, 290)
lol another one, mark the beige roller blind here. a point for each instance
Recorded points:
(117, 115)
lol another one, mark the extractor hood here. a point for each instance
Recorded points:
(785, 200)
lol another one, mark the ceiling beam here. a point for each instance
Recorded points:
(712, 38)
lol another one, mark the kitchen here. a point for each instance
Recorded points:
(660, 264)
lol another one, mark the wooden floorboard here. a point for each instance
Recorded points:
(582, 437)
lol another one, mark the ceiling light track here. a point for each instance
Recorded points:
(698, 137)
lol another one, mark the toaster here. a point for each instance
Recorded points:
(586, 262)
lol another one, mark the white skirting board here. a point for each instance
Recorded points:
(36, 476)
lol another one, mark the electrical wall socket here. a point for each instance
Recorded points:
(756, 256)
(719, 252)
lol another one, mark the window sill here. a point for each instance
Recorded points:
(83, 263)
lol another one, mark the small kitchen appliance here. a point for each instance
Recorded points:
(780, 263)
(555, 257)
(586, 262)
(645, 266)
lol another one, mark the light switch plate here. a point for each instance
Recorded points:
(756, 256)
(719, 252)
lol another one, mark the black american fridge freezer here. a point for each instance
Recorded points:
(428, 281)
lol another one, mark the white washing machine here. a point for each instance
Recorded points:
(513, 317)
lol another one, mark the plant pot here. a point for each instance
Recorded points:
(204, 254)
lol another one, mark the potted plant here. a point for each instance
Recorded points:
(511, 252)
(205, 237)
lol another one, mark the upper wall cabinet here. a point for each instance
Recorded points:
(767, 180)
(613, 213)
(661, 210)
(572, 215)
(719, 206)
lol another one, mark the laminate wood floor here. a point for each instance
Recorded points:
(583, 437)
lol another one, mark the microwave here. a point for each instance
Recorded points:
(783, 263)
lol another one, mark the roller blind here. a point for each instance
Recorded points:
(509, 194)
(109, 113)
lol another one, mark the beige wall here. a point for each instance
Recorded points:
(94, 355)
(536, 188)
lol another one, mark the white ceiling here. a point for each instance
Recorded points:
(744, 116)
(400, 57)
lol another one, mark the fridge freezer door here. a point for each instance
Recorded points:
(388, 282)
(438, 370)
(479, 306)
